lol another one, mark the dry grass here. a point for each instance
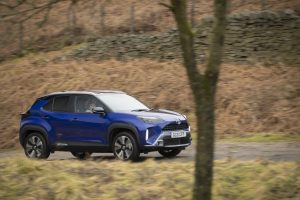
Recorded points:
(150, 16)
(250, 99)
(233, 180)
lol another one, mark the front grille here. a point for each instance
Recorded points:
(176, 141)
(176, 127)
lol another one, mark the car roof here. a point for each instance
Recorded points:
(92, 92)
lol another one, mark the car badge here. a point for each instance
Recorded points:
(178, 121)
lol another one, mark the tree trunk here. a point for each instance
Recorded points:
(204, 89)
(21, 38)
(72, 15)
(102, 20)
(193, 23)
(132, 19)
(263, 4)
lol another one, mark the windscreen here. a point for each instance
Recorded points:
(121, 102)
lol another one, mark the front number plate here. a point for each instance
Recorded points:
(178, 134)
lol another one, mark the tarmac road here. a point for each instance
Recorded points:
(276, 151)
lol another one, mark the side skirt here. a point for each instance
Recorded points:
(80, 146)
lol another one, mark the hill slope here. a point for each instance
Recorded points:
(250, 98)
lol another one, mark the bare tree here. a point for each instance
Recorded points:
(18, 12)
(24, 10)
(72, 19)
(203, 86)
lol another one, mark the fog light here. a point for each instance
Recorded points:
(160, 143)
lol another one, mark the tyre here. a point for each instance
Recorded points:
(35, 146)
(81, 155)
(169, 153)
(125, 147)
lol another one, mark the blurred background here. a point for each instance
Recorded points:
(133, 46)
(66, 22)
(48, 46)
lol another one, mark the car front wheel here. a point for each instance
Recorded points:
(125, 147)
(169, 153)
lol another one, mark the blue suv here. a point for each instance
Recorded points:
(84, 122)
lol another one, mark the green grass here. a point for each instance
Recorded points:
(72, 179)
(262, 137)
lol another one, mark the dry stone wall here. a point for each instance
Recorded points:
(250, 37)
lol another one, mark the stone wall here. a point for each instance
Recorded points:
(250, 37)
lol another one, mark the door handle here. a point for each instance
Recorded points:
(45, 117)
(74, 119)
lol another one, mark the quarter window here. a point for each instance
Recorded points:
(48, 106)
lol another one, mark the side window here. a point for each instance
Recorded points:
(62, 104)
(48, 105)
(86, 103)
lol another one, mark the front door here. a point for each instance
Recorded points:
(90, 127)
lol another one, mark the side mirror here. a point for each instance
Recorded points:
(99, 110)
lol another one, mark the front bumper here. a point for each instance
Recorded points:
(165, 141)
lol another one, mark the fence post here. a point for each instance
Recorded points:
(132, 19)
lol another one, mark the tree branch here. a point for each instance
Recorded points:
(11, 7)
(51, 2)
(171, 8)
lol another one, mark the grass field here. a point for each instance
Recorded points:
(261, 137)
(260, 180)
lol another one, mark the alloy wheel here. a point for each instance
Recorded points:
(34, 147)
(123, 147)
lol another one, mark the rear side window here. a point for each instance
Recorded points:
(62, 104)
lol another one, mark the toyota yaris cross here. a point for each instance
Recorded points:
(84, 122)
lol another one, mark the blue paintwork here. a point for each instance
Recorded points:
(90, 127)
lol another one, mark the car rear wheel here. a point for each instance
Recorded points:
(35, 146)
(169, 153)
(125, 147)
(81, 155)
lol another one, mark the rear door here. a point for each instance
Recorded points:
(61, 117)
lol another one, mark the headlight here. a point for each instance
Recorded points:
(150, 120)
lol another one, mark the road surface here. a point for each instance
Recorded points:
(276, 151)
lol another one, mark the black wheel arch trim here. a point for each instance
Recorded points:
(118, 125)
(32, 128)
